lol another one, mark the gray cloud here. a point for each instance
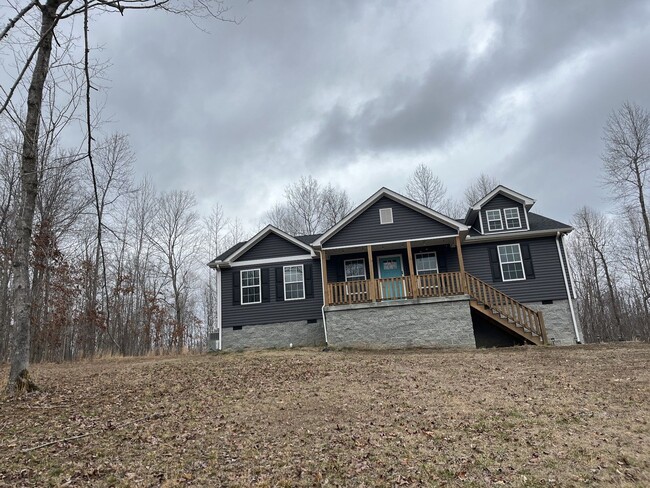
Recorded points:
(341, 89)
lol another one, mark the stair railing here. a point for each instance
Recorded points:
(506, 306)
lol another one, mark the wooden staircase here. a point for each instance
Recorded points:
(507, 312)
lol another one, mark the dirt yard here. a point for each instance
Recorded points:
(521, 416)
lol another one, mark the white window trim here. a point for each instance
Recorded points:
(487, 218)
(521, 260)
(381, 219)
(345, 270)
(284, 282)
(241, 286)
(417, 272)
(505, 217)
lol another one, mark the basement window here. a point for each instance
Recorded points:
(385, 216)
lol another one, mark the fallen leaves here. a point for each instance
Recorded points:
(522, 417)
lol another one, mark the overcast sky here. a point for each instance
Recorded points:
(359, 92)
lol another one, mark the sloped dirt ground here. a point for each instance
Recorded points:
(520, 416)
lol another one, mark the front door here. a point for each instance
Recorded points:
(391, 267)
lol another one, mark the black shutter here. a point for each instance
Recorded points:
(309, 281)
(236, 291)
(441, 256)
(340, 271)
(494, 264)
(279, 284)
(266, 286)
(528, 262)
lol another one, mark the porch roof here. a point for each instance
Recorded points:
(392, 245)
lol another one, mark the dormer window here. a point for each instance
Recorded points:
(494, 219)
(513, 221)
(385, 216)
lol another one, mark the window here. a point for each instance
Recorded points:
(294, 282)
(494, 219)
(512, 218)
(385, 215)
(251, 287)
(355, 269)
(512, 266)
(426, 263)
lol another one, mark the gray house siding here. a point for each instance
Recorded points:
(275, 310)
(272, 246)
(548, 283)
(499, 202)
(407, 224)
(447, 261)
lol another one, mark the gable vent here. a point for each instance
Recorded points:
(385, 215)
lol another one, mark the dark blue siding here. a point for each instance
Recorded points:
(407, 224)
(272, 246)
(273, 311)
(548, 283)
(500, 202)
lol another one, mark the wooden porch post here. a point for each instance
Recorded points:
(323, 272)
(461, 264)
(414, 284)
(371, 283)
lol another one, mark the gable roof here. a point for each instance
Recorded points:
(240, 248)
(499, 190)
(385, 192)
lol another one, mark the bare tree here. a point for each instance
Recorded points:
(309, 208)
(305, 199)
(52, 13)
(597, 233)
(175, 235)
(481, 186)
(335, 205)
(627, 158)
(426, 188)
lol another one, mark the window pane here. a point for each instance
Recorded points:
(512, 218)
(250, 294)
(494, 220)
(426, 263)
(513, 271)
(250, 277)
(293, 291)
(355, 269)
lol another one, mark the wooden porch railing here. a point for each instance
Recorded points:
(400, 288)
(507, 307)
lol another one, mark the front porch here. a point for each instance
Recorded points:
(358, 295)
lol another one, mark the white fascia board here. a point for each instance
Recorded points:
(516, 235)
(514, 195)
(398, 198)
(261, 235)
(285, 259)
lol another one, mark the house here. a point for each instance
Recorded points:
(394, 273)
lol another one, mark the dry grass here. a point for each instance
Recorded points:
(521, 417)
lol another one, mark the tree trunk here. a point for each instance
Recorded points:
(19, 374)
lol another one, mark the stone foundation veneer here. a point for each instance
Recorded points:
(425, 322)
(557, 318)
(278, 335)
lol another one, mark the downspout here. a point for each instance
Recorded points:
(219, 306)
(322, 281)
(568, 290)
(324, 324)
